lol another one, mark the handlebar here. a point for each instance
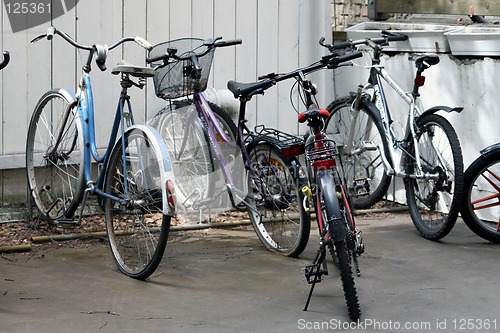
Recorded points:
(265, 82)
(388, 36)
(6, 59)
(330, 61)
(209, 43)
(100, 50)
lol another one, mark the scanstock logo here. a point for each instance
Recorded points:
(25, 14)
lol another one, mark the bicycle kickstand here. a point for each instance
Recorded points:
(317, 269)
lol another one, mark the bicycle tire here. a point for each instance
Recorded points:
(331, 209)
(56, 180)
(480, 208)
(225, 120)
(367, 182)
(276, 211)
(137, 229)
(434, 205)
(192, 164)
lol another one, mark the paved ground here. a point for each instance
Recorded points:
(223, 281)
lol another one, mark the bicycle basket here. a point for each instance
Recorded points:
(173, 79)
(327, 152)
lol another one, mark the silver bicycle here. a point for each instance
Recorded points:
(427, 155)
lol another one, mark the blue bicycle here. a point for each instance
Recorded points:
(135, 183)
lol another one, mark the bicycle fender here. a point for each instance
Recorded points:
(68, 94)
(263, 141)
(166, 172)
(490, 149)
(435, 109)
(332, 206)
(369, 106)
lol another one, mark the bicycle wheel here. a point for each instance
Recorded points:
(366, 179)
(191, 160)
(55, 168)
(341, 247)
(434, 203)
(136, 227)
(275, 199)
(481, 209)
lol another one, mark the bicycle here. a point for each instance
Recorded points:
(135, 185)
(6, 59)
(324, 190)
(258, 169)
(481, 194)
(430, 160)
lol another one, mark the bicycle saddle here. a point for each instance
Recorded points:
(246, 90)
(426, 61)
(137, 71)
(313, 113)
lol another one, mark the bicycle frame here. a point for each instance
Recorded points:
(376, 73)
(85, 102)
(216, 134)
(123, 120)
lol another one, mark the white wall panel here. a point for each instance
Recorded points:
(278, 35)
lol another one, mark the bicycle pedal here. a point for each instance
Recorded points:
(367, 145)
(311, 271)
(68, 222)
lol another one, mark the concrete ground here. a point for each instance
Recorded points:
(224, 281)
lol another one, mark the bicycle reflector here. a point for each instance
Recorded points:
(171, 195)
(419, 80)
(293, 150)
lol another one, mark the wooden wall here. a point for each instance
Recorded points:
(278, 35)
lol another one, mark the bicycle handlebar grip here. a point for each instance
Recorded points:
(51, 31)
(267, 76)
(339, 46)
(157, 58)
(225, 43)
(6, 59)
(144, 43)
(347, 57)
(101, 55)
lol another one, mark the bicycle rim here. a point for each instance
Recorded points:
(55, 177)
(481, 209)
(366, 179)
(276, 210)
(434, 203)
(137, 230)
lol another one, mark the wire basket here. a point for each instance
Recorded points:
(173, 79)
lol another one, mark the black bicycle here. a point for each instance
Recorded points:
(325, 194)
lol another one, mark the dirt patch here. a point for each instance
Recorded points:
(18, 236)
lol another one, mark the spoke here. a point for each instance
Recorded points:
(496, 187)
